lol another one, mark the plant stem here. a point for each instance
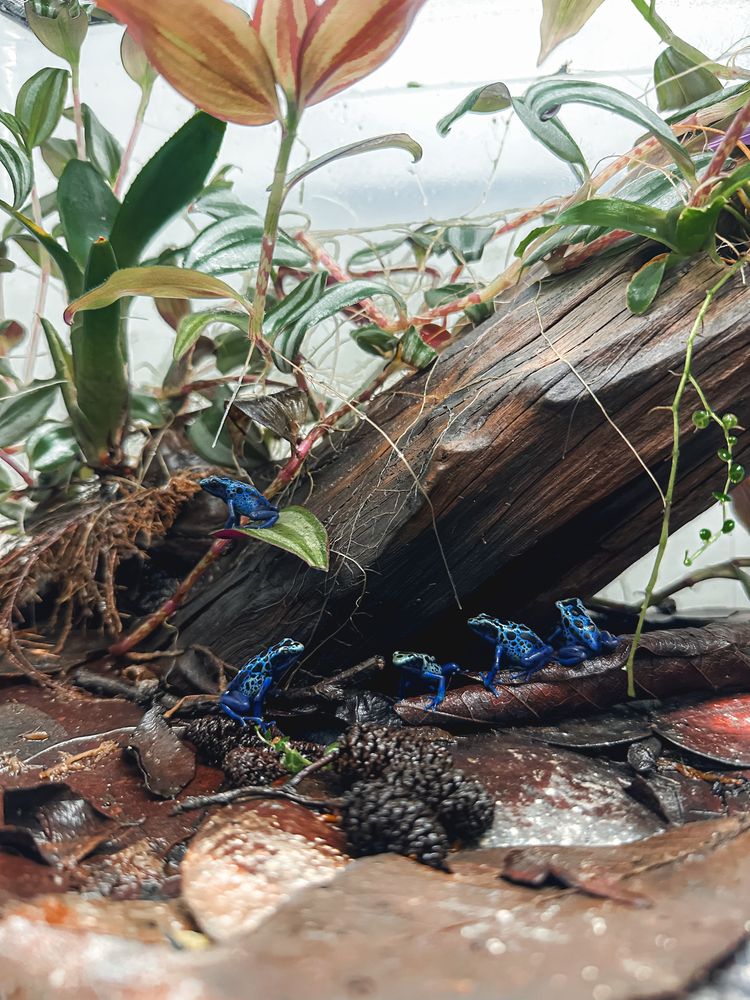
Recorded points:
(75, 77)
(271, 225)
(136, 131)
(647, 9)
(669, 492)
(41, 295)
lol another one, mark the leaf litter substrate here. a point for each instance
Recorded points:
(594, 880)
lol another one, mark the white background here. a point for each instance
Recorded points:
(485, 167)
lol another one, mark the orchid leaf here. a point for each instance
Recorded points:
(545, 96)
(485, 100)
(155, 283)
(644, 285)
(167, 184)
(396, 140)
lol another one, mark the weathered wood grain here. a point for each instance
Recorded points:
(508, 483)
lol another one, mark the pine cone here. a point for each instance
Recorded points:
(379, 817)
(248, 766)
(468, 811)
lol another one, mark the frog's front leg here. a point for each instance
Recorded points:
(233, 519)
(257, 709)
(488, 679)
(607, 642)
(439, 695)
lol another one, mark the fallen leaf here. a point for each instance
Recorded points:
(246, 861)
(167, 763)
(718, 728)
(53, 822)
(547, 795)
(673, 662)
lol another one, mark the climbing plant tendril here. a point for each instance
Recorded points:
(686, 378)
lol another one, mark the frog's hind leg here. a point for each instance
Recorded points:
(608, 642)
(570, 656)
(264, 518)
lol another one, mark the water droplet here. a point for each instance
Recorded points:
(495, 946)
(590, 973)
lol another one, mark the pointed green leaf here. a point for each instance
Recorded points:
(234, 244)
(377, 252)
(155, 283)
(40, 103)
(17, 164)
(62, 361)
(615, 213)
(561, 19)
(87, 208)
(297, 531)
(396, 140)
(57, 154)
(553, 135)
(293, 305)
(467, 243)
(102, 149)
(644, 285)
(680, 82)
(166, 186)
(485, 100)
(100, 368)
(544, 96)
(192, 326)
(288, 340)
(70, 271)
(16, 128)
(23, 410)
(51, 446)
(372, 340)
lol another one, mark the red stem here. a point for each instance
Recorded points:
(11, 463)
(731, 137)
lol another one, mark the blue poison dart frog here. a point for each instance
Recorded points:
(427, 669)
(515, 646)
(243, 698)
(242, 498)
(577, 637)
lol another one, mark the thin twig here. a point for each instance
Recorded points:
(250, 792)
(317, 765)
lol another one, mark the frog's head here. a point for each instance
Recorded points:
(573, 611)
(284, 654)
(486, 626)
(215, 485)
(401, 659)
(576, 618)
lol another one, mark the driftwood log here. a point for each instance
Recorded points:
(494, 478)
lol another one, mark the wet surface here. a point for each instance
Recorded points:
(547, 795)
(718, 729)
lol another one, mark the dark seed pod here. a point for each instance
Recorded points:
(468, 811)
(247, 766)
(378, 817)
(366, 751)
(213, 737)
(429, 782)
